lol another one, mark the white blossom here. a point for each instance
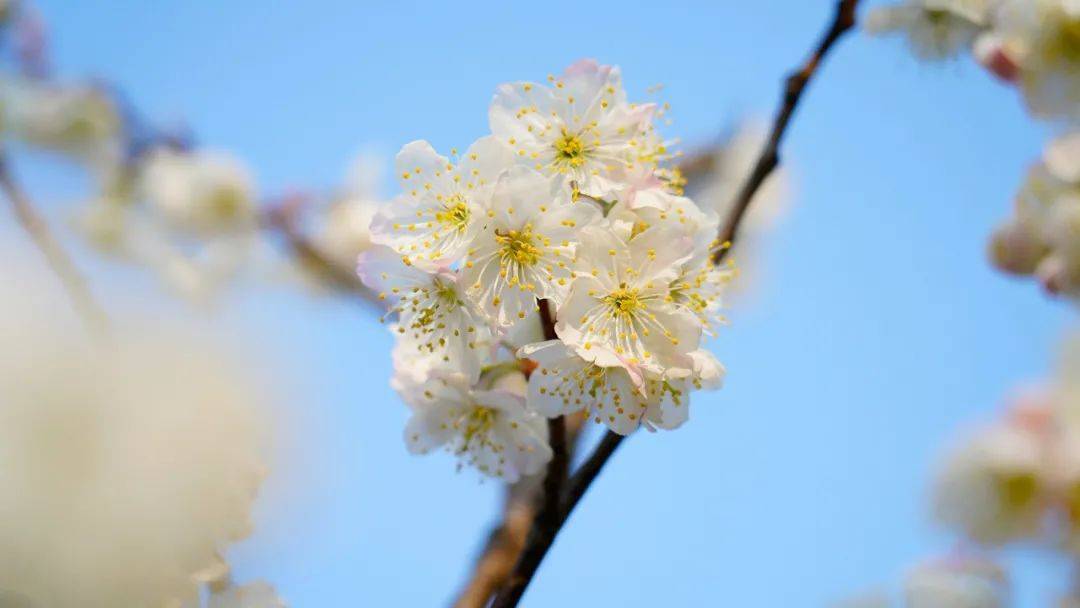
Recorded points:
(190, 216)
(1043, 236)
(935, 29)
(993, 486)
(612, 391)
(620, 299)
(434, 314)
(199, 192)
(580, 127)
(525, 250)
(441, 211)
(565, 382)
(1037, 43)
(488, 429)
(75, 119)
(669, 393)
(346, 232)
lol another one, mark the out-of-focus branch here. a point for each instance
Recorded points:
(794, 87)
(507, 539)
(34, 224)
(538, 544)
(697, 165)
(281, 218)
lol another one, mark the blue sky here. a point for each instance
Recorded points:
(876, 334)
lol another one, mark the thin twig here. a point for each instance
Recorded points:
(794, 87)
(579, 483)
(281, 218)
(34, 224)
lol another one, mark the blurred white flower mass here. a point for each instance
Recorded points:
(189, 216)
(126, 467)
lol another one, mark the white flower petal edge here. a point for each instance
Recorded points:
(620, 300)
(440, 212)
(580, 129)
(565, 382)
(490, 430)
(669, 398)
(935, 29)
(434, 315)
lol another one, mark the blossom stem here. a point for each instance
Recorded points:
(59, 261)
(547, 525)
(794, 87)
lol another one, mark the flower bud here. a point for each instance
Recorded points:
(1014, 248)
(991, 53)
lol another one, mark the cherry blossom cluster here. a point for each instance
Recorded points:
(557, 248)
(1033, 45)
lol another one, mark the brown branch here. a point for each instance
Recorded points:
(588, 471)
(794, 87)
(282, 219)
(34, 224)
(505, 542)
(697, 165)
(500, 554)
(543, 533)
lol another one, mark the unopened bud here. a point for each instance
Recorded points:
(992, 54)
(1015, 249)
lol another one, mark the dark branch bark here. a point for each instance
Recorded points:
(769, 159)
(34, 224)
(588, 471)
(543, 533)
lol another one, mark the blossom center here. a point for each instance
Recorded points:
(226, 204)
(519, 246)
(445, 292)
(478, 422)
(1018, 490)
(936, 16)
(454, 213)
(623, 302)
(569, 150)
(1065, 41)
